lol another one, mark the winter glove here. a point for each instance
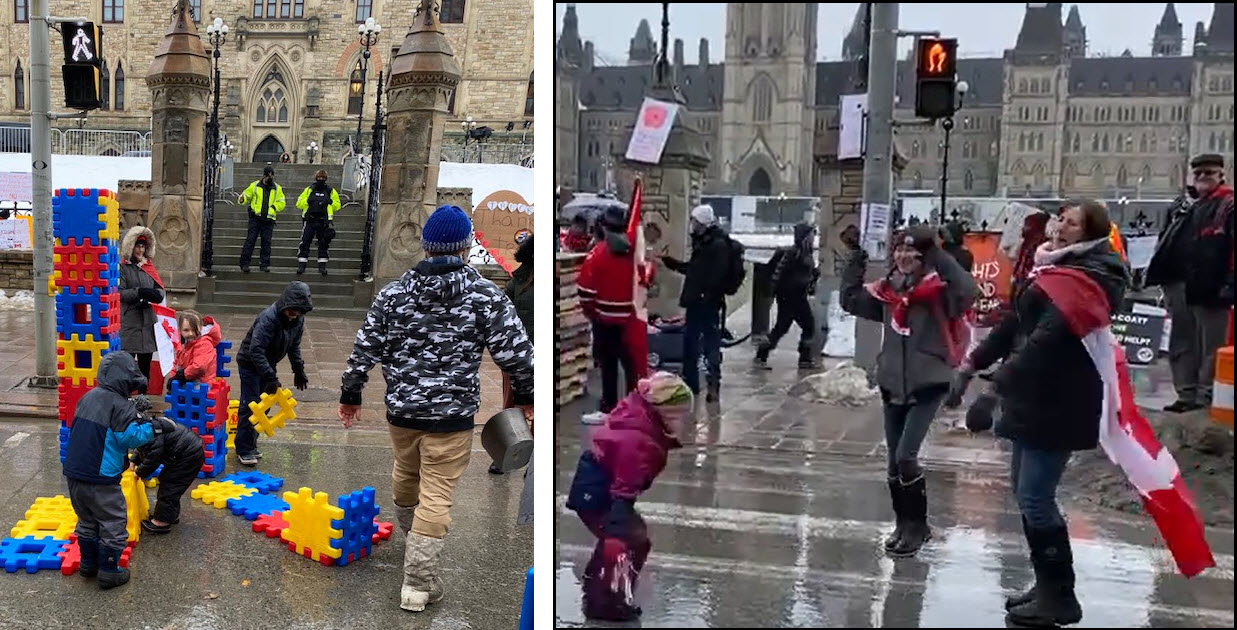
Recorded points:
(272, 386)
(979, 416)
(154, 296)
(300, 380)
(957, 389)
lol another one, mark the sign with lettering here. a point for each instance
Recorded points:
(1140, 334)
(15, 186)
(501, 221)
(652, 130)
(992, 272)
(17, 233)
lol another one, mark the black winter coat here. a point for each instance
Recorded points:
(272, 337)
(1051, 393)
(170, 449)
(705, 271)
(1197, 249)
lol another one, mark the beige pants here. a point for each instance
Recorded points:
(427, 465)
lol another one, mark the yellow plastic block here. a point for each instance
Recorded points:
(309, 530)
(110, 216)
(152, 482)
(136, 502)
(48, 517)
(217, 493)
(67, 366)
(273, 411)
(233, 412)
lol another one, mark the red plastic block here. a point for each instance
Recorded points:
(84, 266)
(71, 557)
(270, 524)
(384, 531)
(69, 395)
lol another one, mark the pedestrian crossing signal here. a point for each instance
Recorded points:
(82, 69)
(935, 77)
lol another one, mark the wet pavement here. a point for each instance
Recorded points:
(772, 513)
(214, 572)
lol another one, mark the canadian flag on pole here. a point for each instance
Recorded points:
(637, 333)
(166, 337)
(1125, 435)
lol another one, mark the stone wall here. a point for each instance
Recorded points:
(16, 270)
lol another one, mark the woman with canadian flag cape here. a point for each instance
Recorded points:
(1064, 387)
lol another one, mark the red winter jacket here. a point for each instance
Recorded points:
(632, 446)
(198, 358)
(607, 280)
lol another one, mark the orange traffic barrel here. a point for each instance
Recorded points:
(1222, 388)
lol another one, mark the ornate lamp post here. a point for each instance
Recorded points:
(312, 151)
(375, 177)
(467, 125)
(948, 124)
(217, 32)
(368, 35)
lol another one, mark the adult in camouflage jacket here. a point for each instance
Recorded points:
(428, 329)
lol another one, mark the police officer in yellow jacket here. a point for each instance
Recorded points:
(317, 203)
(265, 200)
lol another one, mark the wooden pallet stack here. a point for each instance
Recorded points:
(573, 336)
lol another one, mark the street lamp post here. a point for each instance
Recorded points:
(312, 151)
(947, 125)
(217, 32)
(375, 177)
(467, 125)
(368, 34)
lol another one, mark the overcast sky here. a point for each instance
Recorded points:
(983, 30)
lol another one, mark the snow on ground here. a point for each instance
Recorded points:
(83, 171)
(19, 301)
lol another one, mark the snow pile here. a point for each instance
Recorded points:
(20, 301)
(841, 339)
(844, 385)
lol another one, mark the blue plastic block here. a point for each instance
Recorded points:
(31, 553)
(155, 475)
(67, 305)
(222, 358)
(64, 441)
(259, 481)
(526, 608)
(217, 463)
(254, 505)
(190, 405)
(357, 525)
(78, 216)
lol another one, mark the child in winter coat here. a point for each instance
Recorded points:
(180, 453)
(105, 426)
(197, 358)
(627, 454)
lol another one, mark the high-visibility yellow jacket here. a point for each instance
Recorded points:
(302, 202)
(253, 196)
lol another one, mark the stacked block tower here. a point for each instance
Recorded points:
(204, 408)
(85, 281)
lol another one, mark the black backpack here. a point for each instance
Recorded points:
(735, 271)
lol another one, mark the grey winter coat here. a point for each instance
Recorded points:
(428, 330)
(137, 320)
(909, 364)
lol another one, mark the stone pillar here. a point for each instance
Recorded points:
(179, 81)
(423, 74)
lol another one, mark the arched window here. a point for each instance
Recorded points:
(1022, 142)
(918, 180)
(1142, 144)
(759, 184)
(356, 89)
(451, 102)
(1039, 141)
(968, 180)
(915, 149)
(528, 97)
(762, 99)
(1037, 176)
(1146, 174)
(1154, 145)
(1076, 146)
(105, 84)
(19, 87)
(1022, 86)
(120, 87)
(1123, 177)
(1104, 144)
(1211, 142)
(1097, 176)
(452, 12)
(272, 107)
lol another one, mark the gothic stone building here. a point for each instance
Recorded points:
(1044, 120)
(290, 68)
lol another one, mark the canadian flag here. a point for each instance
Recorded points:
(637, 334)
(166, 338)
(1125, 435)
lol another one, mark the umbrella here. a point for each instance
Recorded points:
(590, 206)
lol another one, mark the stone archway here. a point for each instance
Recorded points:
(268, 150)
(760, 185)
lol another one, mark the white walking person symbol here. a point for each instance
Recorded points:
(80, 42)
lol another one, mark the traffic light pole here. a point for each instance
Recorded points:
(878, 159)
(41, 193)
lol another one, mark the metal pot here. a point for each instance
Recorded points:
(508, 440)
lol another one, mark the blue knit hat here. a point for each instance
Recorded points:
(448, 230)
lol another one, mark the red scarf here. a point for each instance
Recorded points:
(149, 268)
(929, 291)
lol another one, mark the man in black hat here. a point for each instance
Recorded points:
(1193, 262)
(265, 200)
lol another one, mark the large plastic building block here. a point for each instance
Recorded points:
(87, 264)
(153, 480)
(85, 213)
(270, 524)
(383, 531)
(31, 554)
(91, 312)
(69, 395)
(218, 397)
(214, 466)
(64, 441)
(309, 532)
(78, 361)
(259, 481)
(217, 493)
(280, 406)
(357, 526)
(71, 557)
(137, 504)
(48, 517)
(221, 358)
(190, 406)
(254, 505)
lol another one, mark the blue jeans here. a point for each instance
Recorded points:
(702, 333)
(251, 391)
(906, 426)
(1035, 474)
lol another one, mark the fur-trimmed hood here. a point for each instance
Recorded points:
(130, 239)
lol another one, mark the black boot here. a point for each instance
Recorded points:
(899, 514)
(1029, 594)
(322, 268)
(300, 267)
(713, 393)
(88, 548)
(111, 574)
(916, 532)
(1054, 603)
